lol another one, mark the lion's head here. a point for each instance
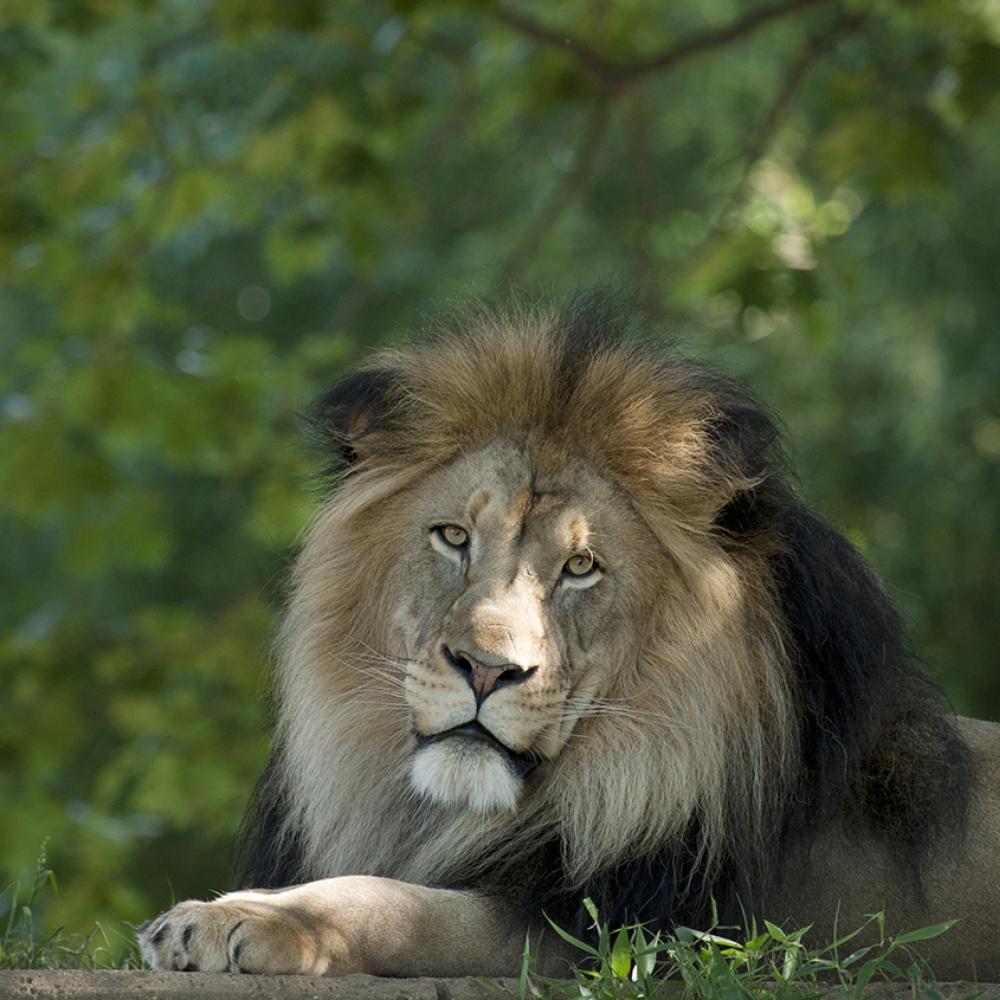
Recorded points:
(561, 608)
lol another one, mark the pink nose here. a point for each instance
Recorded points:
(484, 678)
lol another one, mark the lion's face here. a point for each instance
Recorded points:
(518, 575)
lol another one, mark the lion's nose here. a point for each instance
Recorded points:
(485, 678)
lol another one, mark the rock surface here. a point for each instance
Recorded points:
(69, 984)
(42, 985)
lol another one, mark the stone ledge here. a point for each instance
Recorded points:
(44, 984)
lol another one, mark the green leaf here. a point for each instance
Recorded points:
(522, 982)
(855, 956)
(621, 955)
(924, 933)
(716, 939)
(790, 963)
(865, 974)
(776, 932)
(575, 942)
(647, 954)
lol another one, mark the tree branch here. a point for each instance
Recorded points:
(614, 74)
(595, 61)
(707, 40)
(810, 53)
(768, 125)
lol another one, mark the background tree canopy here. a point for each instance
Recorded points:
(208, 208)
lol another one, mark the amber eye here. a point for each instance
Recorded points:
(453, 535)
(580, 565)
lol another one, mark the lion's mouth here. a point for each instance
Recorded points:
(521, 763)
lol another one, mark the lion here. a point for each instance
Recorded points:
(562, 628)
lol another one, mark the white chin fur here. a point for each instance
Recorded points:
(461, 772)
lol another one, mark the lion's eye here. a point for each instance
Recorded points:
(582, 564)
(453, 535)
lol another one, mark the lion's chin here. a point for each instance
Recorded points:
(463, 772)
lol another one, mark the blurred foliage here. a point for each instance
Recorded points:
(209, 207)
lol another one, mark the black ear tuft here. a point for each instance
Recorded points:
(747, 447)
(357, 405)
(741, 515)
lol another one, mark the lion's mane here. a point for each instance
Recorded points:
(803, 709)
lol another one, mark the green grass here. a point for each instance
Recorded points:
(630, 963)
(627, 963)
(24, 946)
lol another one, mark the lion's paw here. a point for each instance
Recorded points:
(240, 933)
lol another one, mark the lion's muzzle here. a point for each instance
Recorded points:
(468, 759)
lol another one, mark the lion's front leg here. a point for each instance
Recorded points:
(338, 926)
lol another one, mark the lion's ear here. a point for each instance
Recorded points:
(746, 457)
(349, 417)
